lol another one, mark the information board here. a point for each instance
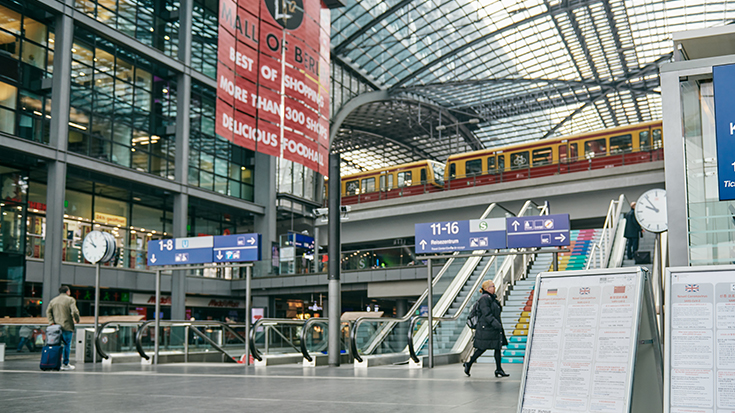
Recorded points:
(449, 236)
(583, 345)
(724, 98)
(538, 231)
(700, 340)
(204, 250)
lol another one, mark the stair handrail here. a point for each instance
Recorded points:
(175, 323)
(304, 328)
(601, 250)
(392, 321)
(98, 333)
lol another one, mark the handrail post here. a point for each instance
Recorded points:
(430, 302)
(186, 344)
(158, 316)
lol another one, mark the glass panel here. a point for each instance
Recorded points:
(623, 143)
(595, 147)
(404, 179)
(644, 140)
(452, 170)
(491, 163)
(541, 156)
(368, 185)
(473, 167)
(352, 187)
(519, 160)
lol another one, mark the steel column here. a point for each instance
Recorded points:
(335, 293)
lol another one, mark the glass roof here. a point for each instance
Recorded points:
(526, 69)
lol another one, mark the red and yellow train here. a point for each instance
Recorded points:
(624, 145)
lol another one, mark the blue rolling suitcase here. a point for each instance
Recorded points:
(51, 357)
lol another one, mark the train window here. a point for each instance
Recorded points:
(501, 162)
(519, 160)
(657, 139)
(352, 187)
(423, 175)
(438, 172)
(644, 140)
(595, 147)
(491, 164)
(368, 185)
(452, 170)
(473, 167)
(386, 182)
(622, 143)
(573, 151)
(541, 156)
(404, 178)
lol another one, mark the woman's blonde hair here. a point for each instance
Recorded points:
(486, 285)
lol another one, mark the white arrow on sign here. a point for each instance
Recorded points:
(219, 255)
(515, 225)
(560, 238)
(423, 244)
(153, 258)
(251, 241)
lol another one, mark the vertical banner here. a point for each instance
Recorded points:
(724, 91)
(273, 78)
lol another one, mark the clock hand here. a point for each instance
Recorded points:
(651, 205)
(652, 208)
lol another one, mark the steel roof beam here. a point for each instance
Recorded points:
(372, 23)
(563, 7)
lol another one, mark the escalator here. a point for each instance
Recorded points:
(376, 341)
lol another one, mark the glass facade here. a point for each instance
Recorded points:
(26, 65)
(204, 37)
(153, 23)
(123, 107)
(346, 84)
(214, 163)
(710, 223)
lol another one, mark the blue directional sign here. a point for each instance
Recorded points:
(539, 231)
(301, 240)
(237, 248)
(179, 251)
(724, 90)
(204, 250)
(449, 236)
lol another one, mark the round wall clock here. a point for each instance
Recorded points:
(650, 211)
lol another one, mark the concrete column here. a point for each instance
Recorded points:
(59, 138)
(183, 129)
(334, 250)
(401, 307)
(265, 195)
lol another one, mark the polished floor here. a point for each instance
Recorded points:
(229, 387)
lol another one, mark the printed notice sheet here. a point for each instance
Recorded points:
(702, 342)
(582, 343)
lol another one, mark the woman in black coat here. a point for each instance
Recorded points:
(489, 333)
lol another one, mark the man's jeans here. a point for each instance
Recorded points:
(66, 335)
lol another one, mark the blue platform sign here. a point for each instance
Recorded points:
(724, 90)
(237, 248)
(538, 231)
(204, 250)
(179, 251)
(301, 240)
(450, 236)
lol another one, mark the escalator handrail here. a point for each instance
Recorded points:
(168, 323)
(307, 324)
(457, 314)
(254, 351)
(212, 343)
(98, 333)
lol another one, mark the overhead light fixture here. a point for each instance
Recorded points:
(440, 128)
(474, 120)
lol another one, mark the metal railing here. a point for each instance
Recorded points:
(600, 252)
(192, 327)
(523, 172)
(268, 325)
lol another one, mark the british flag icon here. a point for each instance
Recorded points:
(691, 288)
(584, 291)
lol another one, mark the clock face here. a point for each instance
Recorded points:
(650, 211)
(94, 246)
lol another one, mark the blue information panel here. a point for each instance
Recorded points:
(724, 88)
(449, 236)
(301, 240)
(203, 250)
(540, 231)
(179, 251)
(237, 248)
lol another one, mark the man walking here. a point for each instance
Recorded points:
(632, 232)
(62, 310)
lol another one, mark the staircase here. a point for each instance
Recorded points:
(647, 243)
(517, 309)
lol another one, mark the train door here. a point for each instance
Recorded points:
(452, 170)
(423, 176)
(491, 164)
(386, 182)
(501, 163)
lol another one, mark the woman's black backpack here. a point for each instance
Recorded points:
(474, 316)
